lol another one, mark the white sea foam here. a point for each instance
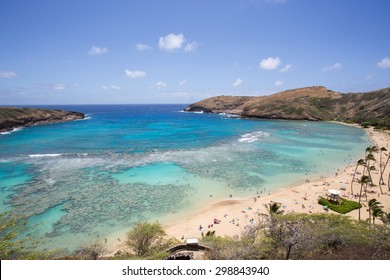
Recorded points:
(253, 136)
(13, 130)
(228, 116)
(87, 117)
(44, 155)
(190, 112)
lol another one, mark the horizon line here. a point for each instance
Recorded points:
(89, 104)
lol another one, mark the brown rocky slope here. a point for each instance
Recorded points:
(12, 117)
(310, 103)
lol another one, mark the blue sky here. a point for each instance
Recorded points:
(144, 51)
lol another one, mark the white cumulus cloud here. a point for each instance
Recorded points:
(333, 67)
(286, 68)
(237, 82)
(59, 86)
(384, 63)
(270, 63)
(279, 83)
(98, 51)
(191, 47)
(135, 74)
(143, 47)
(160, 84)
(112, 87)
(7, 74)
(171, 42)
(182, 83)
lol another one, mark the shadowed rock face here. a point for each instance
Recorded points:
(310, 103)
(11, 117)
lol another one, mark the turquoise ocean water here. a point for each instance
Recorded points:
(126, 163)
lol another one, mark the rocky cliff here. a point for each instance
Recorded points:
(11, 117)
(310, 103)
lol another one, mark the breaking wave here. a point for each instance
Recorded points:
(11, 131)
(253, 136)
(44, 155)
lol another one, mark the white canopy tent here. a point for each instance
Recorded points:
(334, 195)
(334, 192)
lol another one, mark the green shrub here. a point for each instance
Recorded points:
(13, 245)
(148, 240)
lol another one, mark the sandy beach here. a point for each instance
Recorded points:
(234, 215)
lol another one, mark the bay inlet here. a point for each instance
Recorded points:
(92, 178)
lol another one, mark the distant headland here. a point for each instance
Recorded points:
(12, 117)
(315, 103)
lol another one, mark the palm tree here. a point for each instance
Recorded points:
(374, 149)
(383, 171)
(383, 149)
(274, 208)
(388, 181)
(368, 168)
(373, 205)
(364, 180)
(370, 157)
(367, 153)
(370, 150)
(359, 163)
(377, 213)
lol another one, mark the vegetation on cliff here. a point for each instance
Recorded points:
(12, 117)
(14, 244)
(272, 236)
(310, 103)
(303, 236)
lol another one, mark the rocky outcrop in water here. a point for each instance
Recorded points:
(11, 117)
(310, 103)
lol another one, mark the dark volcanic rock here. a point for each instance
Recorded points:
(11, 117)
